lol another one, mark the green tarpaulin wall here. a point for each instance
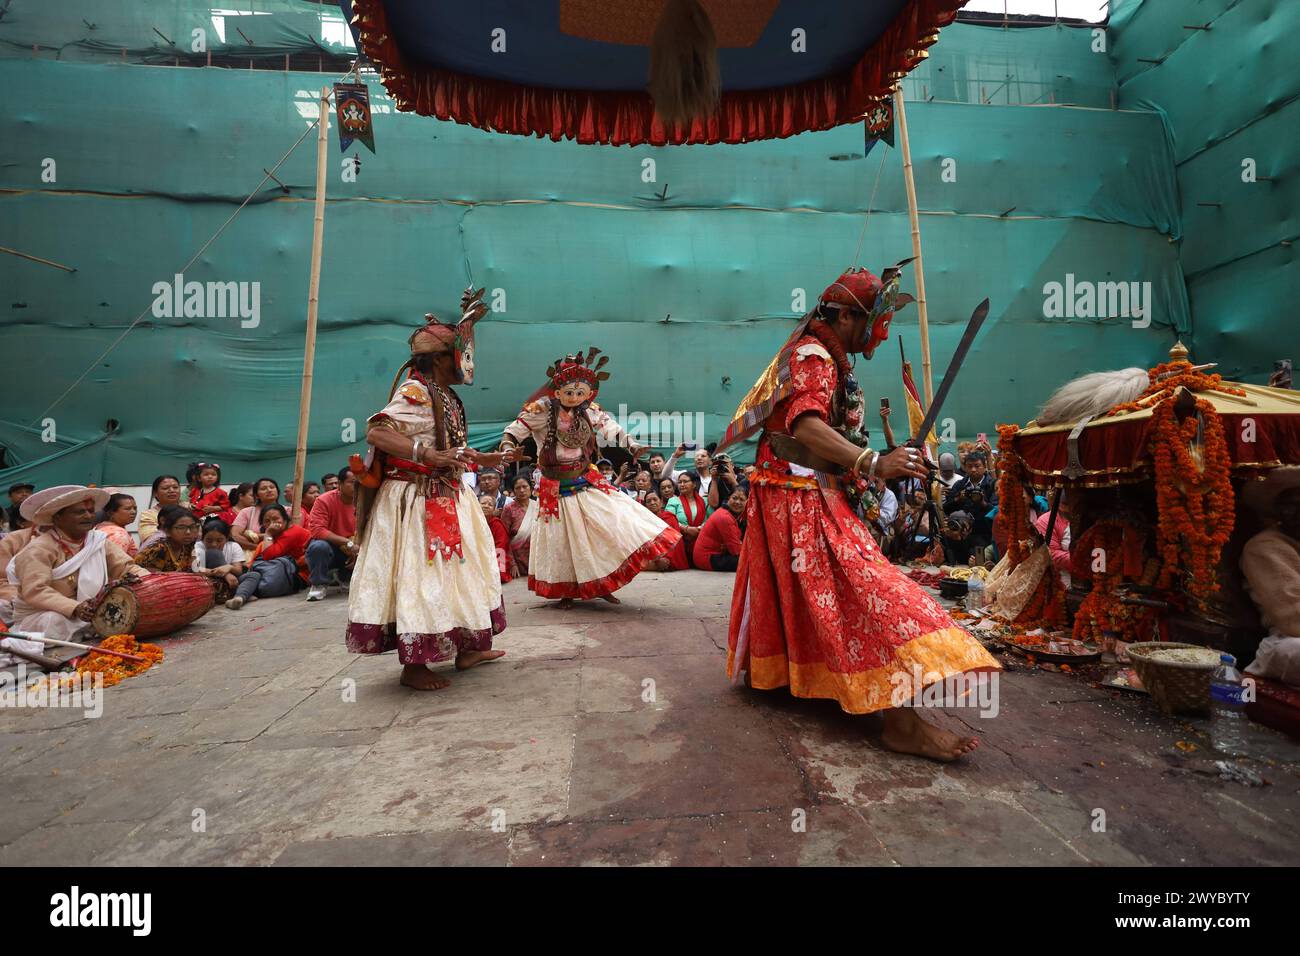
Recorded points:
(690, 282)
(1231, 97)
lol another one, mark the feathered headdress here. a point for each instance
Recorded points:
(852, 290)
(577, 368)
(438, 336)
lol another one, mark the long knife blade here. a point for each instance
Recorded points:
(967, 340)
(787, 448)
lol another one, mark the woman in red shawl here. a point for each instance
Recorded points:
(655, 505)
(691, 510)
(817, 608)
(500, 538)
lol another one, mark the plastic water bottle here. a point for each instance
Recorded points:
(1227, 708)
(975, 593)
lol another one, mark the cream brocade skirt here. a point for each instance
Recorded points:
(597, 544)
(395, 583)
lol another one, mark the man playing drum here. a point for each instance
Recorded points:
(61, 571)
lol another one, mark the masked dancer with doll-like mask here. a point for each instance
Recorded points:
(426, 579)
(591, 539)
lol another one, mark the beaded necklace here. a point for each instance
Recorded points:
(848, 406)
(453, 410)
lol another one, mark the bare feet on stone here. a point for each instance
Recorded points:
(419, 677)
(611, 599)
(565, 604)
(467, 659)
(906, 733)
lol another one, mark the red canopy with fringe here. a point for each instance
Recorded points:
(887, 37)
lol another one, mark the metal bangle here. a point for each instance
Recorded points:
(871, 473)
(416, 445)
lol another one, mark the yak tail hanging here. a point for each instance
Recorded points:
(397, 379)
(685, 81)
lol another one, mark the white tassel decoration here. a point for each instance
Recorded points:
(1092, 395)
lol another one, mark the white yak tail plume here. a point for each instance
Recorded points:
(1093, 394)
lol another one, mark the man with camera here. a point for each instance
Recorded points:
(723, 481)
(976, 495)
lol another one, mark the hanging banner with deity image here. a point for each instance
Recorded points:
(879, 124)
(352, 107)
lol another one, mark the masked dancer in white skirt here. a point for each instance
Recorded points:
(426, 579)
(590, 539)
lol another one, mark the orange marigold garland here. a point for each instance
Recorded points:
(1102, 616)
(116, 669)
(1012, 521)
(1194, 496)
(1180, 373)
(1046, 606)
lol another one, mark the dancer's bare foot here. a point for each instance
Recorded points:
(467, 659)
(611, 599)
(906, 733)
(419, 677)
(565, 604)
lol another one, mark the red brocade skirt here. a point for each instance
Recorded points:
(817, 608)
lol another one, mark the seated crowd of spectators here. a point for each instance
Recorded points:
(247, 542)
(245, 539)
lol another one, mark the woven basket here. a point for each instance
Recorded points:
(1177, 688)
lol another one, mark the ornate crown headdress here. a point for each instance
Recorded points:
(579, 368)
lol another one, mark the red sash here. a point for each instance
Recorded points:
(548, 498)
(598, 480)
(442, 527)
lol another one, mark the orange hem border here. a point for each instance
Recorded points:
(937, 656)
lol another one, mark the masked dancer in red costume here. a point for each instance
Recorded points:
(817, 608)
(426, 580)
(591, 539)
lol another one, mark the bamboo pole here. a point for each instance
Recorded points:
(923, 315)
(44, 262)
(40, 636)
(313, 301)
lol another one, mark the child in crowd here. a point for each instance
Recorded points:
(206, 496)
(501, 537)
(279, 563)
(219, 558)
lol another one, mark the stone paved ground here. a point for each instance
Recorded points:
(555, 745)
